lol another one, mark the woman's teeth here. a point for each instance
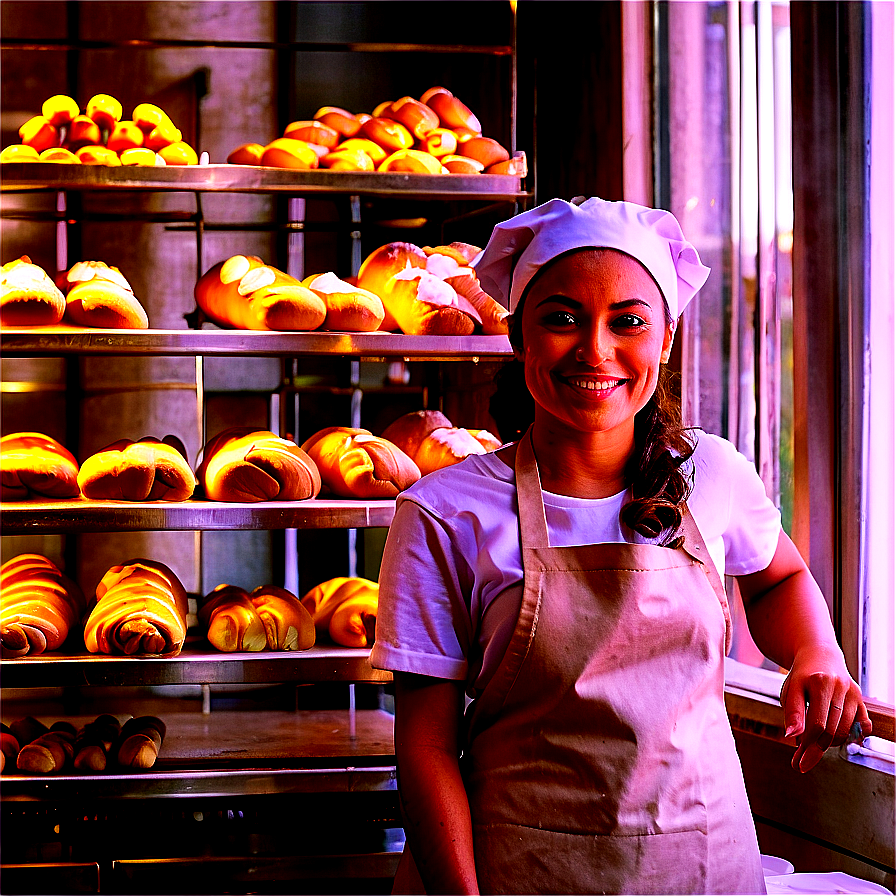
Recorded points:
(595, 385)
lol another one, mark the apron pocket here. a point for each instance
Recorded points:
(516, 859)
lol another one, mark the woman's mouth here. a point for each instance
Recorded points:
(595, 385)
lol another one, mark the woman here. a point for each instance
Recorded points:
(570, 584)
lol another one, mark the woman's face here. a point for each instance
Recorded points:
(593, 333)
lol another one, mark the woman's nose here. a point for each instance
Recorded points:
(594, 349)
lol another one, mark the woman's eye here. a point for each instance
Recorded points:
(560, 319)
(629, 322)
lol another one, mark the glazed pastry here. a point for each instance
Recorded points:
(243, 464)
(354, 463)
(39, 606)
(245, 293)
(146, 470)
(356, 598)
(287, 623)
(97, 295)
(33, 465)
(141, 609)
(231, 620)
(28, 296)
(349, 307)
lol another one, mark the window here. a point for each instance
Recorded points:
(788, 351)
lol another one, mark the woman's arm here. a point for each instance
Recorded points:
(789, 621)
(428, 714)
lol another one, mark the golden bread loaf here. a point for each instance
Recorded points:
(354, 463)
(141, 609)
(429, 438)
(344, 609)
(349, 307)
(47, 754)
(245, 293)
(245, 464)
(97, 295)
(39, 606)
(35, 466)
(145, 470)
(28, 295)
(287, 623)
(230, 620)
(94, 742)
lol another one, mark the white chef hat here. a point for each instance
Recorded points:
(518, 248)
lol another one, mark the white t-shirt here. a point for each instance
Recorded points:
(451, 580)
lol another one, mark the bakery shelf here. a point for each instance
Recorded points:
(55, 341)
(221, 754)
(194, 665)
(218, 178)
(81, 515)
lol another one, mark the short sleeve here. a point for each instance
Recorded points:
(423, 621)
(730, 502)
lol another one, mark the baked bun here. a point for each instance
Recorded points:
(432, 442)
(417, 117)
(35, 466)
(483, 149)
(246, 154)
(146, 470)
(28, 296)
(344, 609)
(415, 293)
(348, 307)
(287, 623)
(354, 463)
(230, 620)
(245, 293)
(451, 111)
(98, 296)
(313, 131)
(244, 464)
(39, 606)
(141, 609)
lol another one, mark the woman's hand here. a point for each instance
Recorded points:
(820, 702)
(790, 623)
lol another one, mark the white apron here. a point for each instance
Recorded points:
(600, 758)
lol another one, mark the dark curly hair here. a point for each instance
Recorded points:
(655, 471)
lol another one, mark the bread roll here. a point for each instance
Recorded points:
(353, 627)
(9, 749)
(48, 754)
(97, 295)
(179, 153)
(455, 164)
(105, 110)
(28, 296)
(287, 623)
(39, 133)
(287, 152)
(439, 142)
(18, 152)
(59, 110)
(483, 149)
(141, 609)
(230, 620)
(245, 293)
(39, 606)
(125, 135)
(312, 132)
(516, 166)
(348, 307)
(27, 729)
(411, 161)
(488, 440)
(246, 154)
(414, 292)
(348, 160)
(431, 441)
(374, 150)
(140, 742)
(417, 117)
(354, 463)
(94, 742)
(390, 135)
(59, 155)
(451, 111)
(146, 470)
(98, 155)
(35, 466)
(340, 120)
(82, 131)
(244, 464)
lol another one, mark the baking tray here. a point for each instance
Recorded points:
(31, 342)
(195, 665)
(47, 176)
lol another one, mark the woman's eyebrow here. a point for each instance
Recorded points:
(575, 303)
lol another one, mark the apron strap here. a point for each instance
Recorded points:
(696, 547)
(530, 503)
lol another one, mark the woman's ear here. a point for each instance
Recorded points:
(668, 338)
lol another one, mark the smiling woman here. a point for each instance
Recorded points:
(570, 583)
